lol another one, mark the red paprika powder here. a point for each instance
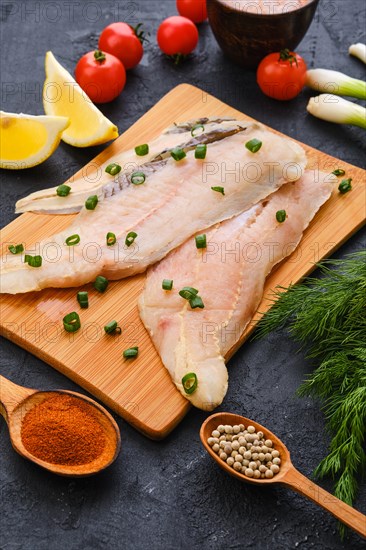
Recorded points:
(63, 430)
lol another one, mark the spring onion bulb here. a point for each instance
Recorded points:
(334, 82)
(358, 50)
(336, 109)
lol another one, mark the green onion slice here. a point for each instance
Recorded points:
(131, 236)
(253, 145)
(177, 153)
(33, 261)
(71, 322)
(113, 169)
(112, 327)
(72, 240)
(100, 283)
(63, 190)
(200, 151)
(111, 239)
(167, 284)
(201, 241)
(196, 302)
(281, 216)
(345, 186)
(16, 249)
(188, 292)
(142, 150)
(91, 202)
(339, 172)
(83, 299)
(131, 352)
(137, 178)
(197, 130)
(190, 382)
(219, 189)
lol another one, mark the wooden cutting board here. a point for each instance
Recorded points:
(141, 390)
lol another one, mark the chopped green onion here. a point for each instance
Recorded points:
(339, 172)
(196, 302)
(336, 109)
(177, 153)
(91, 202)
(111, 239)
(142, 150)
(200, 151)
(131, 352)
(113, 169)
(72, 240)
(131, 236)
(281, 216)
(112, 327)
(253, 145)
(345, 186)
(167, 284)
(83, 299)
(189, 382)
(63, 190)
(201, 241)
(16, 249)
(100, 283)
(71, 322)
(137, 178)
(219, 190)
(188, 292)
(334, 82)
(33, 261)
(197, 130)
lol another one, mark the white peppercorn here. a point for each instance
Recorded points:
(251, 429)
(230, 461)
(237, 466)
(215, 433)
(253, 465)
(275, 468)
(276, 461)
(249, 472)
(216, 447)
(268, 442)
(223, 456)
(269, 474)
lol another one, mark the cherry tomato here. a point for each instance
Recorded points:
(177, 36)
(101, 75)
(195, 10)
(282, 75)
(121, 40)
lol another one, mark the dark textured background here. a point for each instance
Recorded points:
(169, 494)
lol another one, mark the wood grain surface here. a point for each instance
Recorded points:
(141, 390)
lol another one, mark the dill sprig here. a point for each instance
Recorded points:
(327, 316)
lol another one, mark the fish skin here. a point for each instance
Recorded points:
(47, 201)
(175, 202)
(230, 276)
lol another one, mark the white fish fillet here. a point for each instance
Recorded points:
(230, 277)
(175, 202)
(89, 183)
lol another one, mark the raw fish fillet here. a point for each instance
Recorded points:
(47, 201)
(174, 202)
(230, 276)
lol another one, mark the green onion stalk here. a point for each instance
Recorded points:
(336, 109)
(358, 50)
(334, 82)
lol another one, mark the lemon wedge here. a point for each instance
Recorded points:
(63, 96)
(27, 140)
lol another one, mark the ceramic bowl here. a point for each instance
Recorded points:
(247, 37)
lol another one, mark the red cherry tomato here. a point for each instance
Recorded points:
(101, 75)
(282, 75)
(121, 40)
(177, 36)
(195, 10)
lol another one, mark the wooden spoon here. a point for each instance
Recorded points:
(16, 401)
(288, 475)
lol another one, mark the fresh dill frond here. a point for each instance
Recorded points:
(327, 316)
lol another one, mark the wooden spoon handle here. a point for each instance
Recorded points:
(11, 395)
(342, 511)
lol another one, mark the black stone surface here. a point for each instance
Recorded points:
(169, 494)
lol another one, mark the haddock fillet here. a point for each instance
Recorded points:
(174, 202)
(230, 276)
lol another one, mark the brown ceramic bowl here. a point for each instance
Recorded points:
(248, 37)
